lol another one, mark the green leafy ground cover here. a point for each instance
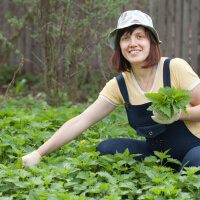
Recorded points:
(75, 171)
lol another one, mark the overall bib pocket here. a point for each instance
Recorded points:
(151, 131)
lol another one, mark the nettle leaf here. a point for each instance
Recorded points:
(155, 97)
(169, 101)
(191, 170)
(175, 108)
(166, 91)
(22, 184)
(96, 190)
(151, 159)
(196, 182)
(156, 176)
(5, 187)
(19, 163)
(83, 175)
(106, 175)
(175, 161)
(33, 195)
(129, 185)
(165, 109)
(36, 180)
(162, 155)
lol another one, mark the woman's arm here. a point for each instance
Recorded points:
(74, 127)
(194, 111)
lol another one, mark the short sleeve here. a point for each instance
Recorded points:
(111, 92)
(182, 74)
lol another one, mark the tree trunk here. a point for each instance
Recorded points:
(49, 56)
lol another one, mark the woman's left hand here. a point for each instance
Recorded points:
(162, 119)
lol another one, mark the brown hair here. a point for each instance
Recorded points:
(120, 64)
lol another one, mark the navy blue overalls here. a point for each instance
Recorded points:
(183, 145)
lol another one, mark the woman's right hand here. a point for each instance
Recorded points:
(31, 159)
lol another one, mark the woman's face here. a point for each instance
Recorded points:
(135, 47)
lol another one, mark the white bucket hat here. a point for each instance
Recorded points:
(129, 18)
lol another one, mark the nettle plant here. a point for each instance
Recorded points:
(169, 101)
(76, 171)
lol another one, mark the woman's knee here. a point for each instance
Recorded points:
(100, 148)
(114, 145)
(104, 147)
(192, 158)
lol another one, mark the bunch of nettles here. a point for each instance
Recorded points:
(169, 101)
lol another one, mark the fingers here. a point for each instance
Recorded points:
(159, 121)
(24, 163)
(159, 116)
(30, 159)
(177, 115)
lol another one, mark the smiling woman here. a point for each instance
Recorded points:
(137, 55)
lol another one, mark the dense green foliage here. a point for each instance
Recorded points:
(75, 171)
(169, 101)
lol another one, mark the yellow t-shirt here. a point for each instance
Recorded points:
(182, 77)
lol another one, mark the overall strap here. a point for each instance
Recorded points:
(123, 89)
(166, 73)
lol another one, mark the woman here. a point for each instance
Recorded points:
(137, 55)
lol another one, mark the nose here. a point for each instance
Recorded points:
(133, 41)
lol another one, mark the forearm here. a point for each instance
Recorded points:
(194, 114)
(67, 132)
(74, 127)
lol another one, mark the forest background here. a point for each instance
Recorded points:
(57, 50)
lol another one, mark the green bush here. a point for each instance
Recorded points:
(7, 73)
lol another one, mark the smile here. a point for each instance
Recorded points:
(134, 52)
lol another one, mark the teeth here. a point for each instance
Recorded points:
(134, 51)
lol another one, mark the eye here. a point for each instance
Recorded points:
(125, 37)
(140, 36)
